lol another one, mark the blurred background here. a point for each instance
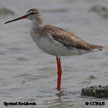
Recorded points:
(28, 74)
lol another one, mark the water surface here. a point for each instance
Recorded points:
(28, 74)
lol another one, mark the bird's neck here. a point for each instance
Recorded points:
(37, 22)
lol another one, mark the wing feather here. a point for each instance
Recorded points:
(68, 39)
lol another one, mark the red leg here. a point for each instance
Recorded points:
(59, 74)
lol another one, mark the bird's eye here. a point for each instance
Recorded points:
(32, 13)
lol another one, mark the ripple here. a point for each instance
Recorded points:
(56, 10)
(22, 59)
(2, 53)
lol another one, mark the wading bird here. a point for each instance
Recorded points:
(55, 41)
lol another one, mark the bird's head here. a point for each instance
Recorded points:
(33, 14)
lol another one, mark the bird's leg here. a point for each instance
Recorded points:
(59, 73)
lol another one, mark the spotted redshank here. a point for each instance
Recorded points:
(55, 41)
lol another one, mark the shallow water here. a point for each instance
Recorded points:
(28, 74)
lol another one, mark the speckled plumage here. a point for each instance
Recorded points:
(67, 38)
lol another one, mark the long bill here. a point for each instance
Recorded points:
(23, 17)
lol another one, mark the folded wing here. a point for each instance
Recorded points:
(68, 39)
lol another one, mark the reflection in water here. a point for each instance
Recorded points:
(60, 94)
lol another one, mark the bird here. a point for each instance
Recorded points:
(56, 41)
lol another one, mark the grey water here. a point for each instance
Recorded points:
(28, 74)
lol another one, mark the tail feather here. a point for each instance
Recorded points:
(97, 47)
